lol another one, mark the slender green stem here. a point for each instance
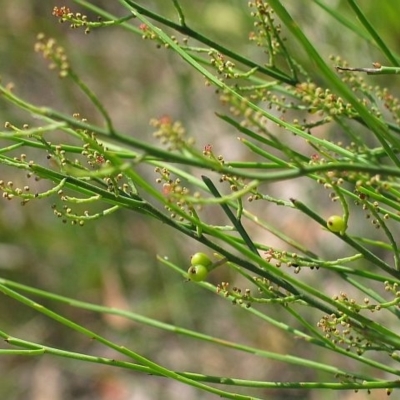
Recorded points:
(34, 349)
(376, 70)
(119, 348)
(196, 335)
(180, 12)
(370, 29)
(93, 98)
(235, 221)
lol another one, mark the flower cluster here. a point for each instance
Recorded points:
(54, 53)
(224, 67)
(375, 212)
(267, 293)
(340, 329)
(62, 12)
(391, 103)
(267, 33)
(10, 192)
(79, 163)
(175, 193)
(147, 33)
(323, 101)
(76, 20)
(291, 260)
(171, 133)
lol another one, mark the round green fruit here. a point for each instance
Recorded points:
(200, 259)
(197, 273)
(336, 224)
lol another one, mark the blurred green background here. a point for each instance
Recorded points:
(112, 261)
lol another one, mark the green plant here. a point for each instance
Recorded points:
(300, 117)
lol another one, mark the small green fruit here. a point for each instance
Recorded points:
(335, 223)
(200, 259)
(197, 273)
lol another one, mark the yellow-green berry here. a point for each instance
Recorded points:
(200, 259)
(197, 273)
(335, 223)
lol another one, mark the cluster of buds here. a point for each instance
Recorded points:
(54, 53)
(237, 107)
(95, 159)
(175, 193)
(224, 67)
(10, 192)
(242, 297)
(66, 214)
(171, 133)
(25, 193)
(58, 156)
(316, 159)
(339, 331)
(209, 153)
(338, 328)
(392, 288)
(267, 33)
(250, 118)
(323, 101)
(268, 293)
(147, 32)
(266, 287)
(236, 294)
(291, 260)
(374, 212)
(62, 12)
(76, 20)
(235, 183)
(391, 103)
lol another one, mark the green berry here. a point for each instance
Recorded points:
(335, 223)
(197, 273)
(200, 259)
